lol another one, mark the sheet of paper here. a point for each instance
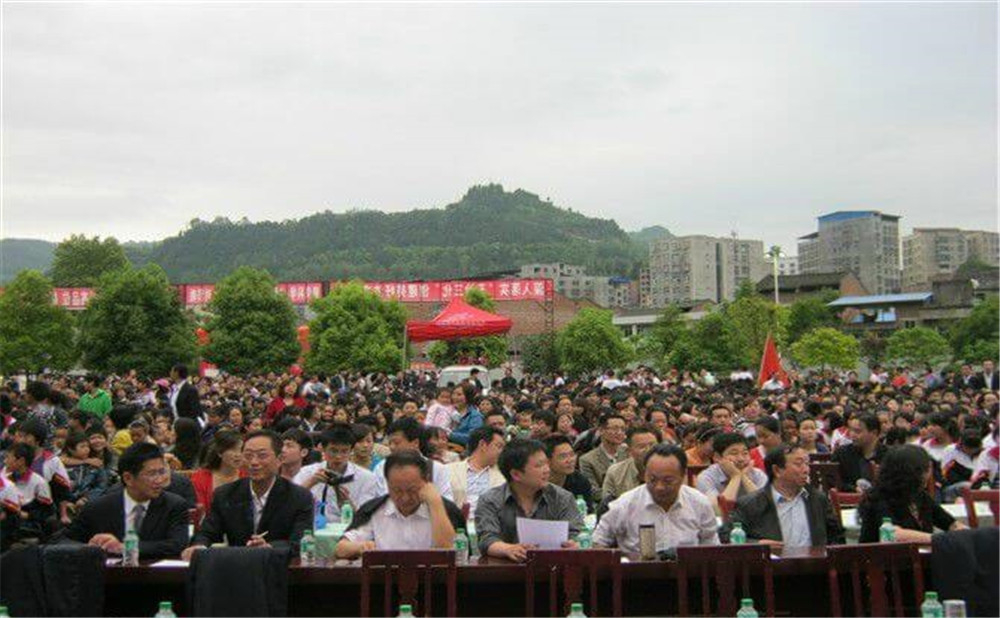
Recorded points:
(170, 563)
(542, 533)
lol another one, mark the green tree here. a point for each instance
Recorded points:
(708, 345)
(135, 321)
(253, 327)
(809, 313)
(539, 354)
(978, 333)
(492, 348)
(591, 342)
(34, 332)
(666, 331)
(749, 320)
(826, 347)
(918, 346)
(355, 330)
(79, 261)
(873, 347)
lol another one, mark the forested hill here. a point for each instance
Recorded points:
(488, 230)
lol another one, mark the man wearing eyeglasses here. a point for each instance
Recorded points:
(159, 518)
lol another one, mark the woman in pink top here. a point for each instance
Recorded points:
(440, 413)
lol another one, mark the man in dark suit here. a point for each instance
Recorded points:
(262, 510)
(141, 504)
(184, 397)
(787, 511)
(988, 377)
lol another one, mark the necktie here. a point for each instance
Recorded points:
(137, 515)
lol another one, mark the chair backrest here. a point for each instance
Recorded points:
(405, 567)
(874, 561)
(840, 499)
(820, 457)
(971, 496)
(726, 507)
(575, 567)
(720, 564)
(824, 476)
(693, 472)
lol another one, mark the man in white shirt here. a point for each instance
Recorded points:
(404, 435)
(336, 481)
(680, 515)
(413, 516)
(471, 477)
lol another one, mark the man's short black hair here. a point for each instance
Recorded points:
(299, 437)
(516, 454)
(136, 456)
(778, 456)
(724, 440)
(605, 418)
(181, 370)
(667, 450)
(769, 423)
(338, 433)
(641, 429)
(24, 452)
(275, 439)
(34, 427)
(869, 421)
(407, 458)
(545, 416)
(553, 441)
(409, 427)
(39, 391)
(483, 433)
(93, 378)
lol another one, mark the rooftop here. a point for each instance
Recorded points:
(881, 299)
(847, 215)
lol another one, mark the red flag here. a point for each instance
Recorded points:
(770, 364)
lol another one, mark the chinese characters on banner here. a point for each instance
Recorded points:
(72, 298)
(444, 291)
(301, 293)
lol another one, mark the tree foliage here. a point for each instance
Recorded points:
(34, 333)
(809, 313)
(749, 320)
(493, 348)
(918, 346)
(355, 330)
(253, 327)
(135, 321)
(976, 336)
(79, 261)
(591, 342)
(826, 348)
(539, 354)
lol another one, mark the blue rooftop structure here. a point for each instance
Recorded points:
(846, 215)
(881, 299)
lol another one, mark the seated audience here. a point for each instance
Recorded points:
(223, 464)
(336, 481)
(732, 474)
(471, 477)
(628, 474)
(562, 469)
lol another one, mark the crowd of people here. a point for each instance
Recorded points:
(406, 463)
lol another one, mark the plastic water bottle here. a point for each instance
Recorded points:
(405, 611)
(130, 556)
(166, 610)
(576, 611)
(473, 545)
(461, 547)
(346, 514)
(887, 532)
(3, 612)
(581, 505)
(931, 607)
(737, 536)
(746, 609)
(319, 521)
(585, 540)
(307, 549)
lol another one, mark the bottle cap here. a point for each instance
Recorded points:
(746, 602)
(307, 532)
(405, 608)
(577, 607)
(931, 596)
(166, 605)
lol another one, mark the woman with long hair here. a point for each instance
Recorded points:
(223, 463)
(288, 396)
(900, 493)
(187, 443)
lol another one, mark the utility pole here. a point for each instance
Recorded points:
(775, 254)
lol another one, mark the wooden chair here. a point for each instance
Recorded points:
(406, 567)
(840, 499)
(576, 567)
(820, 457)
(195, 516)
(971, 496)
(693, 472)
(720, 564)
(824, 476)
(874, 561)
(726, 507)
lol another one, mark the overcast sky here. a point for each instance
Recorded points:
(132, 119)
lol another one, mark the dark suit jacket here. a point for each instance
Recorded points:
(980, 380)
(189, 401)
(164, 531)
(759, 517)
(287, 514)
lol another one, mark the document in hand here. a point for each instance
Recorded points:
(542, 533)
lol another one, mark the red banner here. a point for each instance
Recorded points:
(444, 291)
(197, 294)
(301, 292)
(72, 298)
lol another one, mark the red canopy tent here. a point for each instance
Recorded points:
(457, 321)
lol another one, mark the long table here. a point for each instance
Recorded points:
(488, 587)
